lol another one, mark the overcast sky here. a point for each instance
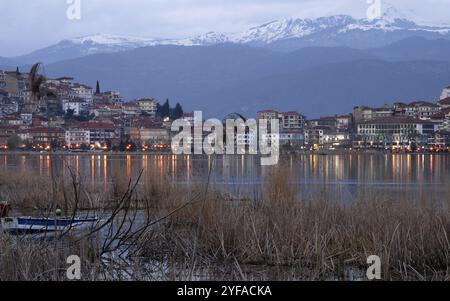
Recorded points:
(27, 25)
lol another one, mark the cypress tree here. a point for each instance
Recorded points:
(177, 112)
(97, 90)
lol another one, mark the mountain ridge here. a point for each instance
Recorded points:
(279, 35)
(218, 78)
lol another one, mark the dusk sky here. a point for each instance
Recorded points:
(29, 25)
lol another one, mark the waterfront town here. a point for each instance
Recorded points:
(40, 114)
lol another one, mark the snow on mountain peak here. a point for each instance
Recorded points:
(107, 39)
(391, 20)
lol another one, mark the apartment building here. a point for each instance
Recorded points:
(444, 103)
(396, 130)
(148, 106)
(108, 97)
(292, 121)
(419, 109)
(77, 106)
(79, 91)
(267, 114)
(74, 137)
(99, 132)
(362, 114)
(43, 135)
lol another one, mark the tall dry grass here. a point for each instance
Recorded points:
(316, 238)
(198, 233)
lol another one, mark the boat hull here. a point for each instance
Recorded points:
(30, 226)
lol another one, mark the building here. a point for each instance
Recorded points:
(12, 119)
(189, 117)
(445, 93)
(336, 139)
(13, 83)
(344, 123)
(440, 140)
(292, 138)
(106, 111)
(27, 118)
(314, 136)
(325, 137)
(108, 98)
(327, 121)
(79, 91)
(44, 136)
(154, 135)
(267, 114)
(292, 121)
(131, 109)
(99, 132)
(421, 109)
(289, 121)
(395, 131)
(444, 103)
(8, 106)
(77, 137)
(363, 114)
(7, 131)
(78, 107)
(444, 119)
(148, 107)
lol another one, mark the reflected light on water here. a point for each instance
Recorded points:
(313, 172)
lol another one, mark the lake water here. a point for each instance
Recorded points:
(342, 176)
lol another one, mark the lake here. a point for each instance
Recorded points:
(342, 176)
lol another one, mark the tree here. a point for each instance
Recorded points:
(165, 109)
(97, 90)
(158, 110)
(177, 112)
(17, 71)
(13, 142)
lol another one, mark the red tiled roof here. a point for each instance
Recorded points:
(147, 123)
(94, 125)
(398, 120)
(130, 104)
(291, 113)
(441, 114)
(445, 101)
(44, 130)
(422, 104)
(8, 127)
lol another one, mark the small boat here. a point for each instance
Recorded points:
(31, 225)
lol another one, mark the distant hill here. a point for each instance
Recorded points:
(336, 88)
(414, 48)
(281, 35)
(223, 78)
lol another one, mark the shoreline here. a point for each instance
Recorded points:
(302, 152)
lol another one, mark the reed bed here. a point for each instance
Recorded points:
(193, 233)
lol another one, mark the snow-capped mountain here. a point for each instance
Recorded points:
(271, 32)
(284, 35)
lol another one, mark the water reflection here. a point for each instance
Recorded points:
(342, 174)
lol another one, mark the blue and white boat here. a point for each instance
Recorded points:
(31, 225)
